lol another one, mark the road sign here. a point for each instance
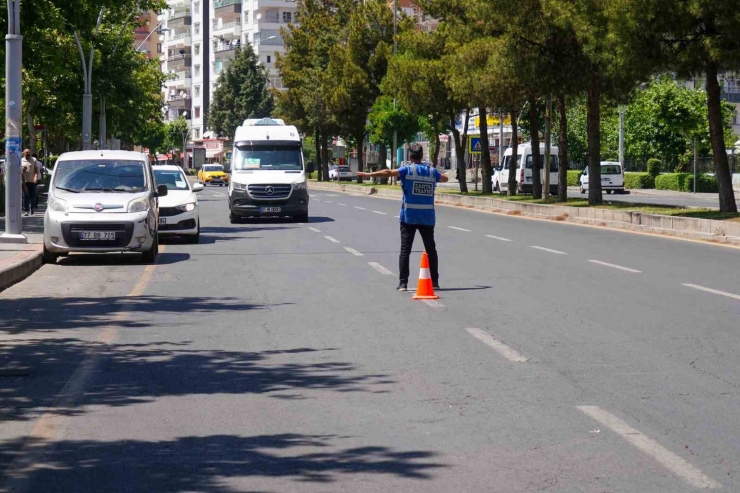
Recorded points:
(474, 145)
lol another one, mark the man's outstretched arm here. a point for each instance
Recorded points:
(383, 173)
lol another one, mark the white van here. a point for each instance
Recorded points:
(612, 178)
(268, 175)
(524, 173)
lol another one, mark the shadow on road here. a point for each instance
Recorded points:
(117, 259)
(476, 288)
(216, 463)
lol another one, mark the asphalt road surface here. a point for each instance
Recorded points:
(278, 357)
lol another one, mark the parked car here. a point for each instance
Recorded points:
(333, 172)
(213, 174)
(178, 212)
(102, 201)
(612, 178)
(523, 168)
(496, 178)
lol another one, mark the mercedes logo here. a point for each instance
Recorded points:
(269, 191)
(98, 207)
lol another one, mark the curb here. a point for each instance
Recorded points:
(19, 266)
(685, 227)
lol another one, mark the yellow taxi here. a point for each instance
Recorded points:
(213, 174)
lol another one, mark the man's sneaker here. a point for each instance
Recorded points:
(402, 286)
(435, 285)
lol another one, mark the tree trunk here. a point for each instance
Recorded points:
(435, 156)
(594, 141)
(317, 146)
(716, 131)
(360, 137)
(514, 154)
(534, 122)
(563, 152)
(485, 154)
(324, 157)
(382, 157)
(460, 140)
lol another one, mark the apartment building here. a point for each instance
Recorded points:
(202, 37)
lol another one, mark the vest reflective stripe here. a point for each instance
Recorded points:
(418, 177)
(419, 206)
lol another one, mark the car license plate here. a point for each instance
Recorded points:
(98, 235)
(606, 180)
(162, 220)
(269, 209)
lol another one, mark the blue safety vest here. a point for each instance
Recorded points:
(418, 182)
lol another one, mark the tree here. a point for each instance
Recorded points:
(384, 118)
(241, 93)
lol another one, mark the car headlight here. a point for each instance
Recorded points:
(186, 207)
(139, 205)
(57, 205)
(239, 186)
(299, 186)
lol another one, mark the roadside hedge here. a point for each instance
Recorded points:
(573, 175)
(684, 182)
(638, 181)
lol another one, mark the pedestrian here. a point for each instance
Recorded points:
(418, 181)
(29, 182)
(39, 179)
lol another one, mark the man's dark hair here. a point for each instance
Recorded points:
(416, 151)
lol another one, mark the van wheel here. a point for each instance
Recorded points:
(233, 219)
(583, 190)
(48, 257)
(497, 187)
(150, 256)
(301, 218)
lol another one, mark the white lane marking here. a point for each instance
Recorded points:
(219, 194)
(397, 217)
(354, 252)
(434, 303)
(343, 205)
(504, 350)
(314, 230)
(713, 291)
(333, 240)
(378, 212)
(361, 208)
(668, 459)
(380, 268)
(497, 238)
(459, 229)
(548, 250)
(328, 201)
(615, 266)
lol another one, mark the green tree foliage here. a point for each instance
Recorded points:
(241, 93)
(384, 119)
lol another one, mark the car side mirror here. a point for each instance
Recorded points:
(162, 191)
(197, 187)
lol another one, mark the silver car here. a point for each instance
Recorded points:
(102, 201)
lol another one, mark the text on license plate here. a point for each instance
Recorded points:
(606, 180)
(269, 209)
(98, 235)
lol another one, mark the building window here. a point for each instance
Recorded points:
(269, 59)
(196, 133)
(159, 47)
(197, 111)
(197, 49)
(287, 17)
(196, 8)
(196, 28)
(197, 70)
(196, 91)
(272, 16)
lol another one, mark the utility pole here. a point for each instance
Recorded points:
(13, 125)
(87, 96)
(621, 137)
(548, 132)
(696, 162)
(501, 139)
(394, 156)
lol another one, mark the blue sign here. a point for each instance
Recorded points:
(474, 145)
(13, 144)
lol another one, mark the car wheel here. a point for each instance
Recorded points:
(583, 190)
(195, 239)
(233, 219)
(301, 218)
(150, 256)
(496, 187)
(48, 257)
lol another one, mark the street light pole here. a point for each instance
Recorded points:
(621, 137)
(87, 96)
(394, 155)
(13, 125)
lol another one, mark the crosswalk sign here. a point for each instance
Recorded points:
(474, 145)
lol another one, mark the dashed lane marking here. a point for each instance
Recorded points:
(713, 291)
(615, 266)
(378, 212)
(433, 303)
(498, 346)
(498, 238)
(354, 252)
(361, 208)
(459, 229)
(380, 268)
(548, 250)
(333, 240)
(314, 230)
(677, 465)
(343, 205)
(328, 201)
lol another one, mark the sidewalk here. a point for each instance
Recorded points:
(18, 261)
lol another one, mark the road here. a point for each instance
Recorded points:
(650, 197)
(277, 357)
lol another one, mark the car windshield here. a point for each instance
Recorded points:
(212, 167)
(174, 179)
(553, 162)
(611, 169)
(268, 157)
(91, 175)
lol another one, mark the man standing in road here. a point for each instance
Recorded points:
(418, 181)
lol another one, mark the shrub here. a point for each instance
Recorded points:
(684, 182)
(312, 175)
(638, 181)
(653, 167)
(573, 175)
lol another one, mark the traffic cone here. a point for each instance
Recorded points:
(425, 289)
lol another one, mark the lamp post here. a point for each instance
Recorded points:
(13, 122)
(185, 135)
(87, 95)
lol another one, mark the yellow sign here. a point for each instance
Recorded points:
(492, 121)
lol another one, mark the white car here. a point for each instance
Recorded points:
(612, 178)
(102, 201)
(178, 211)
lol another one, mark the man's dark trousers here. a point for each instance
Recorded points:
(408, 231)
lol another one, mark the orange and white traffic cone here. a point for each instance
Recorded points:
(425, 289)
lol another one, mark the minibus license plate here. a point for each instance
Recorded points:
(269, 209)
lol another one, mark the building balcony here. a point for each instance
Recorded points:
(274, 4)
(179, 19)
(179, 61)
(180, 102)
(224, 6)
(180, 38)
(229, 30)
(226, 50)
